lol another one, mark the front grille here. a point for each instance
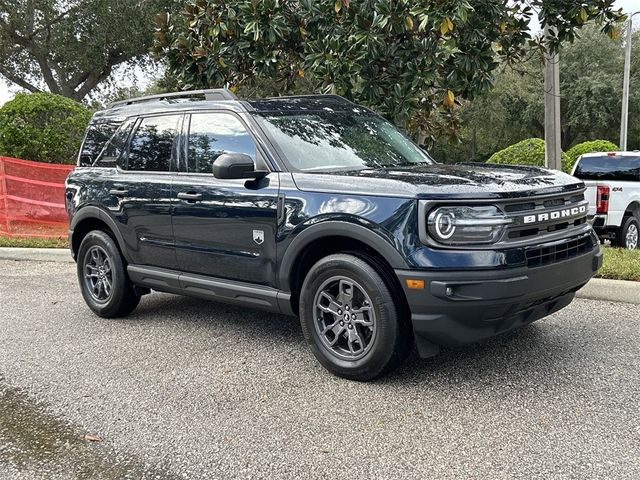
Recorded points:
(541, 227)
(538, 257)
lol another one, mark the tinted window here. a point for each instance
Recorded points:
(609, 168)
(115, 146)
(212, 134)
(96, 137)
(152, 144)
(341, 140)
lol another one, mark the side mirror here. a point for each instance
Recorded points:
(234, 166)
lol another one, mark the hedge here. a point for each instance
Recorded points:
(42, 126)
(526, 152)
(589, 147)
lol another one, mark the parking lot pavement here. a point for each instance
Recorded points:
(184, 388)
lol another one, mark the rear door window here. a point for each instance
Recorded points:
(612, 168)
(151, 147)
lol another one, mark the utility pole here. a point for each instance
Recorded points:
(552, 132)
(624, 121)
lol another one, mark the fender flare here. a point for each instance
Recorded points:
(634, 201)
(332, 229)
(96, 213)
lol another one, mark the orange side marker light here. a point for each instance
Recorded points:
(414, 283)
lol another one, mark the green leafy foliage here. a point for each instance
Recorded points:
(411, 60)
(42, 126)
(591, 92)
(588, 147)
(70, 47)
(525, 152)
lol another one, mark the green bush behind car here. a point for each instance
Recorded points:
(44, 127)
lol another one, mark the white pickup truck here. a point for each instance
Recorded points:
(613, 192)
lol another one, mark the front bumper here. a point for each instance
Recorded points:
(456, 308)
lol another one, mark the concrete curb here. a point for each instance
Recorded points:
(60, 255)
(596, 289)
(611, 291)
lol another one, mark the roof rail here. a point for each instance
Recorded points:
(209, 94)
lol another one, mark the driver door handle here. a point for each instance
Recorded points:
(190, 196)
(118, 192)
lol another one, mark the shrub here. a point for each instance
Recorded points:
(526, 152)
(589, 147)
(42, 126)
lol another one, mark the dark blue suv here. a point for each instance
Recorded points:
(317, 207)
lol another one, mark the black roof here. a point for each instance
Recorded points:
(219, 99)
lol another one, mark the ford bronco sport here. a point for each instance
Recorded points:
(317, 207)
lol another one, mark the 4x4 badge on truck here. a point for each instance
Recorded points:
(258, 236)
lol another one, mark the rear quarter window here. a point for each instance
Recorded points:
(612, 168)
(115, 147)
(95, 139)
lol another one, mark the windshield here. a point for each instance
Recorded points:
(609, 167)
(329, 141)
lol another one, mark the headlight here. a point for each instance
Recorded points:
(466, 225)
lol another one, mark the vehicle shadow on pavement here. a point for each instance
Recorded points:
(533, 353)
(158, 308)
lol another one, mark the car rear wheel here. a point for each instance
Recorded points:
(629, 233)
(350, 318)
(103, 278)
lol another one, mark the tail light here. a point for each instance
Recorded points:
(602, 199)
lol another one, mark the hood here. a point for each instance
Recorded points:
(465, 180)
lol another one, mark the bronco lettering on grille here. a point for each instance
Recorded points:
(556, 215)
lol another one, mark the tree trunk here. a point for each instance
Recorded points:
(474, 144)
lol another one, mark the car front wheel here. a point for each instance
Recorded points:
(350, 318)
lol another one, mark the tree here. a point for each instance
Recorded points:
(410, 60)
(163, 83)
(513, 110)
(69, 47)
(591, 89)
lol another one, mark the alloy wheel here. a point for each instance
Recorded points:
(345, 319)
(98, 274)
(631, 239)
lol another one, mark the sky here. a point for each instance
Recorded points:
(7, 92)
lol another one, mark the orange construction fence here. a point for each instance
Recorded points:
(32, 198)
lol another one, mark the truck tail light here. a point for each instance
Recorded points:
(602, 199)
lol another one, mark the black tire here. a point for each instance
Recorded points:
(389, 336)
(121, 298)
(628, 236)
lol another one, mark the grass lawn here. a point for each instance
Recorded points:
(34, 242)
(620, 264)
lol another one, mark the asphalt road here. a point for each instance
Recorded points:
(189, 389)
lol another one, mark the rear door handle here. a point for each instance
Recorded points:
(118, 192)
(190, 196)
